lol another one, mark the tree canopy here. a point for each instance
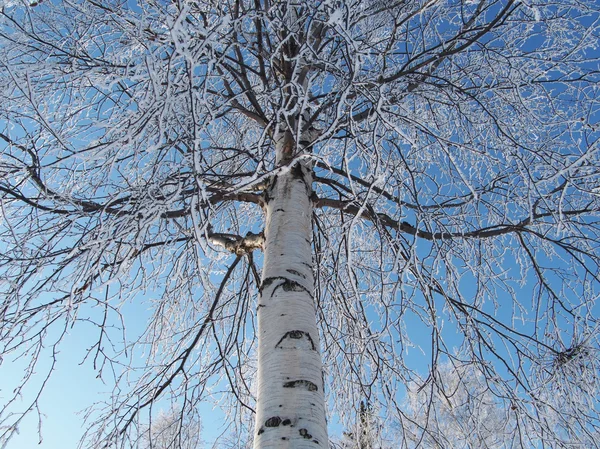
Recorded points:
(456, 193)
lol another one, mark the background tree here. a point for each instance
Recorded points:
(173, 430)
(459, 411)
(367, 432)
(449, 150)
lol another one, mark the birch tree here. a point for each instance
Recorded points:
(318, 202)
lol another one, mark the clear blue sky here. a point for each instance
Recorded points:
(71, 389)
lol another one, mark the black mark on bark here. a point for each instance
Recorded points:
(261, 431)
(301, 383)
(304, 434)
(286, 422)
(298, 171)
(293, 286)
(269, 189)
(266, 283)
(297, 335)
(274, 421)
(297, 273)
(288, 285)
(273, 182)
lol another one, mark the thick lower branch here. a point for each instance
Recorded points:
(237, 244)
(351, 208)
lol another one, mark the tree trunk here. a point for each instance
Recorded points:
(290, 404)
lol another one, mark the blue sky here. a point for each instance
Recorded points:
(73, 387)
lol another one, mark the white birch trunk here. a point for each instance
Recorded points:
(290, 404)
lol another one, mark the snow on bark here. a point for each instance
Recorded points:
(290, 405)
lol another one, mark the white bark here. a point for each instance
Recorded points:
(291, 406)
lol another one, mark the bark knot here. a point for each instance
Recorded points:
(310, 386)
(304, 434)
(274, 421)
